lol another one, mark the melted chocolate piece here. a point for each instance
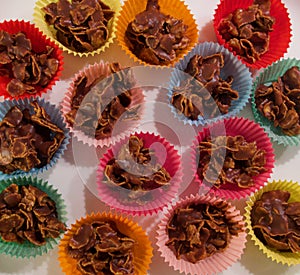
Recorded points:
(275, 221)
(154, 37)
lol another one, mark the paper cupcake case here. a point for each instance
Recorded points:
(123, 127)
(280, 37)
(142, 249)
(211, 265)
(27, 249)
(251, 131)
(175, 8)
(38, 18)
(56, 118)
(232, 67)
(267, 76)
(287, 258)
(39, 42)
(167, 156)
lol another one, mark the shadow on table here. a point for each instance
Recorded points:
(257, 263)
(12, 265)
(207, 33)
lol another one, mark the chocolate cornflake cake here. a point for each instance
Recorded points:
(200, 230)
(96, 105)
(279, 102)
(27, 68)
(205, 93)
(154, 37)
(28, 139)
(247, 31)
(230, 160)
(276, 221)
(28, 214)
(136, 169)
(99, 247)
(80, 25)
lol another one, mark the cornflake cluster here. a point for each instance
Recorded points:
(81, 25)
(100, 248)
(154, 37)
(247, 31)
(28, 214)
(230, 160)
(280, 102)
(276, 222)
(27, 139)
(198, 231)
(27, 69)
(137, 169)
(97, 105)
(208, 95)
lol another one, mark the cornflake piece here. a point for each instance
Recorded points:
(27, 140)
(247, 31)
(276, 222)
(27, 69)
(206, 92)
(154, 37)
(136, 169)
(230, 160)
(28, 214)
(198, 231)
(101, 248)
(81, 25)
(97, 105)
(280, 102)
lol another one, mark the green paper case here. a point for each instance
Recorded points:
(27, 249)
(267, 76)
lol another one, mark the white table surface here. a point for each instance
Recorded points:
(74, 173)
